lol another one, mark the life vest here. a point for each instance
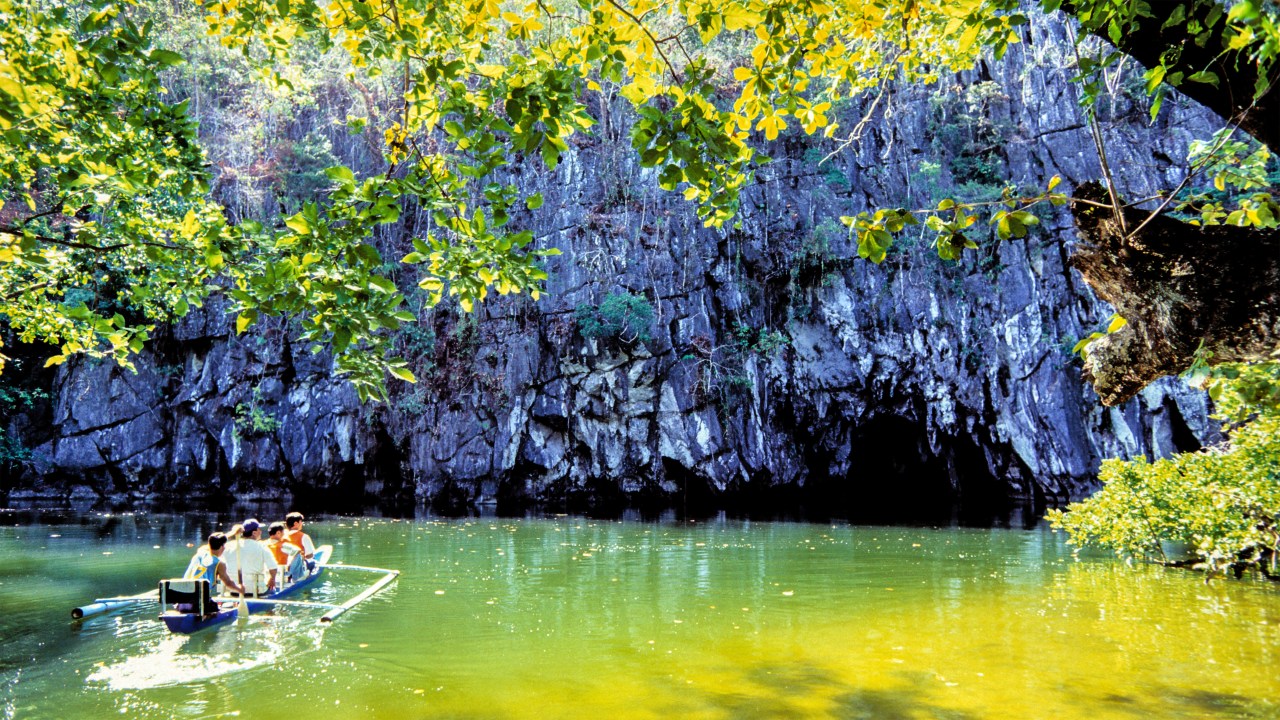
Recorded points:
(204, 566)
(277, 551)
(294, 538)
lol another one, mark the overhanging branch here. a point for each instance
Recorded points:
(1179, 286)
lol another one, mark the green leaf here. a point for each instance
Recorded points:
(534, 201)
(1205, 76)
(550, 154)
(245, 319)
(298, 224)
(166, 58)
(341, 174)
(404, 374)
(382, 285)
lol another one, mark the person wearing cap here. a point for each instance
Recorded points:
(293, 535)
(208, 565)
(250, 561)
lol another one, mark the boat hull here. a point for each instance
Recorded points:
(188, 623)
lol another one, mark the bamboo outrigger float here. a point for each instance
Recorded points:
(107, 604)
(208, 611)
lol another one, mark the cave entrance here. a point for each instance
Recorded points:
(894, 477)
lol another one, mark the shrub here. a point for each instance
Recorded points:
(252, 419)
(1224, 502)
(623, 316)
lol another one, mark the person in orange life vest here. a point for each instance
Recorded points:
(275, 543)
(293, 535)
(208, 565)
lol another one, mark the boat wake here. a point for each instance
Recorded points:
(191, 659)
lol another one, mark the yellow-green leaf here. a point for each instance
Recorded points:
(404, 374)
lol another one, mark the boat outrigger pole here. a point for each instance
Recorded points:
(386, 579)
(101, 605)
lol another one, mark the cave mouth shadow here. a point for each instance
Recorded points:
(894, 477)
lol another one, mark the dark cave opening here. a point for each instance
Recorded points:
(1184, 440)
(894, 477)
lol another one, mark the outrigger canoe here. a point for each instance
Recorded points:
(220, 610)
(228, 609)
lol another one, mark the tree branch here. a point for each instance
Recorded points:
(1181, 287)
(1233, 97)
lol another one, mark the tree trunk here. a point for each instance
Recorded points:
(1232, 95)
(1182, 288)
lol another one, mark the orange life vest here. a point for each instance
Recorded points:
(294, 538)
(277, 551)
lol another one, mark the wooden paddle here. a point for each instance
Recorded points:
(242, 616)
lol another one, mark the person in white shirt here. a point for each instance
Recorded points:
(250, 561)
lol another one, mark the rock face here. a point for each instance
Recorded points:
(776, 367)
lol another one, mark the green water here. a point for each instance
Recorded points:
(576, 618)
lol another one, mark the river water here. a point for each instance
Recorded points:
(568, 617)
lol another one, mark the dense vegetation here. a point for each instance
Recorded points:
(1223, 503)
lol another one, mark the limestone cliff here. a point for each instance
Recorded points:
(895, 383)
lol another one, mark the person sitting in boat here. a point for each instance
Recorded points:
(276, 545)
(249, 561)
(294, 536)
(207, 564)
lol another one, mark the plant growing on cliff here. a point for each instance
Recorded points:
(815, 263)
(1224, 502)
(14, 400)
(252, 420)
(722, 370)
(623, 316)
(761, 341)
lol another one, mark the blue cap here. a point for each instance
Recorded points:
(251, 526)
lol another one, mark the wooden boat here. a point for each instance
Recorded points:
(228, 609)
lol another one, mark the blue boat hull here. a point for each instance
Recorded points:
(188, 623)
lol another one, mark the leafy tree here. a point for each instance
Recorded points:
(1224, 502)
(102, 183)
(106, 227)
